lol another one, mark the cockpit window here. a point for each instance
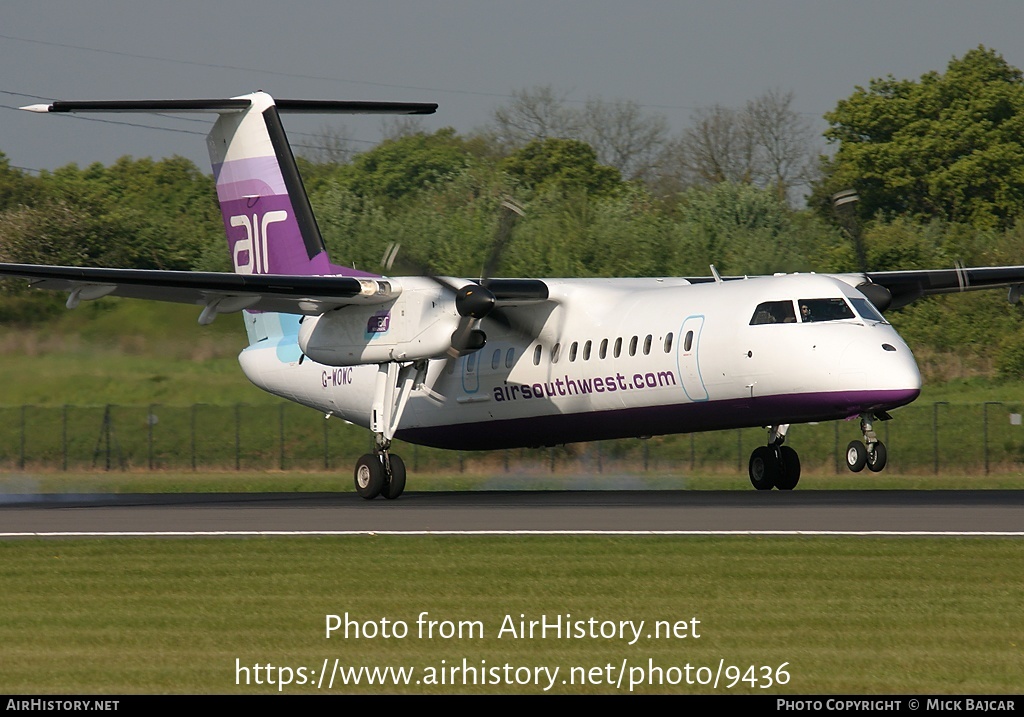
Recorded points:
(867, 310)
(773, 312)
(824, 310)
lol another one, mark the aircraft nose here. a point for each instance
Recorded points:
(881, 363)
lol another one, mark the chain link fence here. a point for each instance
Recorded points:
(934, 438)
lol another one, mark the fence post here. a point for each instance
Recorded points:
(327, 449)
(238, 436)
(935, 434)
(984, 430)
(21, 449)
(64, 437)
(192, 432)
(280, 434)
(150, 420)
(106, 433)
(835, 449)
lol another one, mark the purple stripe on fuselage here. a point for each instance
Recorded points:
(658, 420)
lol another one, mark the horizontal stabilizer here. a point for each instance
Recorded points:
(238, 104)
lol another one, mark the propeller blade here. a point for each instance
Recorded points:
(511, 212)
(475, 301)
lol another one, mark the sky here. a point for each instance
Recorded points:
(672, 57)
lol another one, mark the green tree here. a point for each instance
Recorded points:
(566, 165)
(15, 186)
(947, 146)
(397, 168)
(745, 230)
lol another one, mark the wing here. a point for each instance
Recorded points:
(217, 293)
(896, 289)
(908, 286)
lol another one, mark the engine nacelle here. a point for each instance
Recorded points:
(417, 325)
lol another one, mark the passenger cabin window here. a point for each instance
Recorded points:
(496, 359)
(632, 346)
(668, 343)
(510, 358)
(773, 312)
(604, 348)
(812, 310)
(586, 351)
(572, 351)
(554, 352)
(688, 341)
(647, 344)
(536, 355)
(618, 347)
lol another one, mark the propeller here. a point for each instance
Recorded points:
(476, 300)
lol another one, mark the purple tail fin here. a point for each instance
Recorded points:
(267, 217)
(269, 224)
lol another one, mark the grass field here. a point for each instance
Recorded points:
(860, 616)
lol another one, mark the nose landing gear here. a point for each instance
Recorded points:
(871, 452)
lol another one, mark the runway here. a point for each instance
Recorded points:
(997, 512)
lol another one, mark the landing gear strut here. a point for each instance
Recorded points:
(382, 472)
(871, 452)
(775, 465)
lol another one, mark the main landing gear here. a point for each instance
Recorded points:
(871, 452)
(382, 472)
(775, 465)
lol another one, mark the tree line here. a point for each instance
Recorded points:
(937, 164)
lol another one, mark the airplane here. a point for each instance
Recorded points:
(492, 363)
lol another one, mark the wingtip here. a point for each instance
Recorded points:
(36, 108)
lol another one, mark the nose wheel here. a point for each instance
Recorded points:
(870, 453)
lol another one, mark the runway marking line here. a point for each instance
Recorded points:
(310, 533)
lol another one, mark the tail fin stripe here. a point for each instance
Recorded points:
(304, 217)
(245, 178)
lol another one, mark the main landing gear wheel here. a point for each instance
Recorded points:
(789, 469)
(764, 468)
(774, 467)
(396, 481)
(877, 457)
(857, 456)
(369, 476)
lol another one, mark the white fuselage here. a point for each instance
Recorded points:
(615, 358)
